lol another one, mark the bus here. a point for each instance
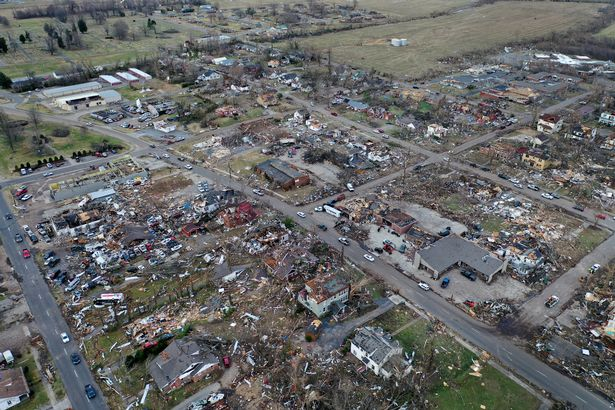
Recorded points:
(332, 211)
(109, 299)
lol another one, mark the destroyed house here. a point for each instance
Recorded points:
(454, 251)
(607, 118)
(13, 388)
(539, 159)
(549, 123)
(287, 264)
(282, 174)
(182, 362)
(322, 295)
(379, 352)
(397, 220)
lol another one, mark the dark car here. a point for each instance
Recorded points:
(503, 176)
(33, 238)
(469, 274)
(579, 207)
(486, 169)
(53, 262)
(445, 283)
(89, 391)
(76, 360)
(18, 238)
(48, 254)
(323, 227)
(8, 216)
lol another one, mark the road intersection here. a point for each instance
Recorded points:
(51, 323)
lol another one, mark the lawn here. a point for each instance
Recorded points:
(433, 40)
(455, 203)
(38, 395)
(98, 50)
(244, 164)
(452, 362)
(25, 152)
(590, 238)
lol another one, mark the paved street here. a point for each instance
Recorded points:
(48, 318)
(51, 323)
(482, 336)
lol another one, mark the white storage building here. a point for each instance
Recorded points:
(110, 79)
(127, 77)
(71, 89)
(141, 74)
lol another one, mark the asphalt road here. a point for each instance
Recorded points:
(482, 336)
(48, 317)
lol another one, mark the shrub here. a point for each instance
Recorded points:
(61, 132)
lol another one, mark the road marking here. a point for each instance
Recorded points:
(40, 297)
(47, 313)
(65, 352)
(506, 351)
(544, 375)
(474, 330)
(75, 371)
(580, 398)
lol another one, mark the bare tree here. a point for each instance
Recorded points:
(8, 131)
(121, 30)
(35, 118)
(50, 45)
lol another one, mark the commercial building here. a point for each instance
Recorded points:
(322, 295)
(397, 220)
(71, 89)
(89, 99)
(13, 388)
(453, 251)
(282, 174)
(379, 352)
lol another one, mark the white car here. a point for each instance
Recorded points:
(369, 257)
(188, 167)
(65, 338)
(25, 197)
(318, 209)
(165, 155)
(350, 187)
(546, 195)
(518, 185)
(514, 180)
(424, 286)
(344, 240)
(258, 192)
(595, 267)
(301, 214)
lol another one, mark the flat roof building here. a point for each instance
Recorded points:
(282, 173)
(454, 251)
(71, 89)
(84, 100)
(127, 77)
(140, 74)
(397, 220)
(110, 79)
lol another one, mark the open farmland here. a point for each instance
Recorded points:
(394, 8)
(433, 40)
(97, 49)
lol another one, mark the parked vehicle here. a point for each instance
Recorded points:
(533, 187)
(75, 359)
(594, 268)
(445, 283)
(322, 227)
(18, 238)
(301, 214)
(552, 301)
(469, 274)
(25, 253)
(546, 195)
(369, 257)
(350, 187)
(579, 207)
(64, 337)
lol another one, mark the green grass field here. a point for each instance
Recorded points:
(462, 390)
(38, 395)
(433, 40)
(98, 51)
(24, 152)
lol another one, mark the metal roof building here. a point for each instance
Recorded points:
(71, 89)
(110, 79)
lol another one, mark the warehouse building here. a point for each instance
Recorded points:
(76, 102)
(71, 89)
